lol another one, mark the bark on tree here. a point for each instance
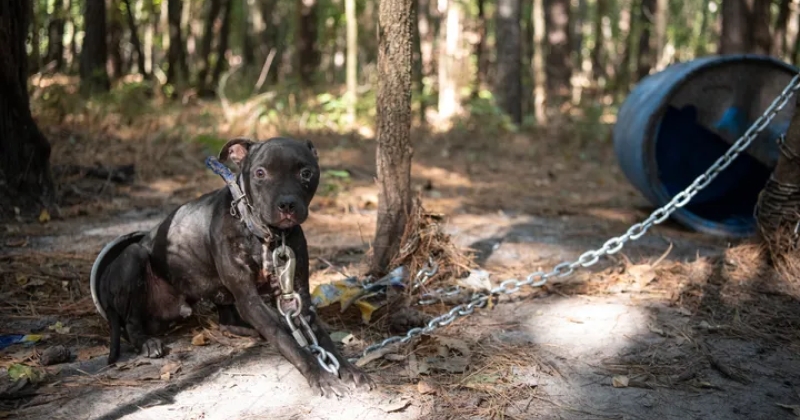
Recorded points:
(215, 6)
(35, 57)
(416, 60)
(558, 59)
(307, 50)
(94, 77)
(222, 45)
(393, 155)
(480, 60)
(660, 31)
(114, 36)
(55, 36)
(761, 21)
(248, 49)
(779, 41)
(450, 41)
(24, 150)
(508, 87)
(598, 67)
(72, 58)
(352, 58)
(646, 54)
(177, 67)
(134, 32)
(735, 37)
(539, 74)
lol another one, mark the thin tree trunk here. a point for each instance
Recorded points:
(781, 24)
(222, 46)
(735, 36)
(205, 45)
(539, 74)
(114, 36)
(55, 36)
(248, 49)
(417, 75)
(393, 155)
(352, 58)
(137, 45)
(426, 41)
(178, 68)
(307, 51)
(761, 22)
(94, 78)
(660, 33)
(35, 57)
(72, 44)
(558, 61)
(702, 43)
(509, 78)
(646, 54)
(24, 150)
(480, 60)
(598, 66)
(450, 41)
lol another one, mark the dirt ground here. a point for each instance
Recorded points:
(676, 326)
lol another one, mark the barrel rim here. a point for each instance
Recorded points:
(98, 262)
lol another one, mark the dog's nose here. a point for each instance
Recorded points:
(286, 205)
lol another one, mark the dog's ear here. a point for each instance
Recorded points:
(235, 150)
(313, 149)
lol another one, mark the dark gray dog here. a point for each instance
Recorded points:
(218, 248)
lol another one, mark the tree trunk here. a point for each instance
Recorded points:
(781, 25)
(539, 74)
(177, 67)
(24, 150)
(35, 57)
(702, 40)
(598, 65)
(55, 36)
(426, 52)
(558, 61)
(94, 78)
(660, 32)
(222, 46)
(646, 60)
(269, 36)
(761, 22)
(416, 60)
(137, 45)
(449, 44)
(307, 51)
(205, 45)
(352, 58)
(393, 155)
(508, 87)
(735, 37)
(480, 60)
(72, 57)
(114, 36)
(248, 49)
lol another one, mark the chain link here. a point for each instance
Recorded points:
(615, 244)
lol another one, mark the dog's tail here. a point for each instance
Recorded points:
(106, 256)
(115, 322)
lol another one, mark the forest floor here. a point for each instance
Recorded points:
(678, 325)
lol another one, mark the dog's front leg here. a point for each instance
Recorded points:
(267, 322)
(349, 373)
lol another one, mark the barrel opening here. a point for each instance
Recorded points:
(685, 148)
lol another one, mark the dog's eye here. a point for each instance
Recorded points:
(260, 173)
(306, 174)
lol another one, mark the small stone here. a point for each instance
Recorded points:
(54, 355)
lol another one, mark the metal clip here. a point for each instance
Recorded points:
(285, 270)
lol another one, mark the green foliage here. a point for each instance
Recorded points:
(332, 182)
(483, 114)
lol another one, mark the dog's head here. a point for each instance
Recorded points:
(280, 177)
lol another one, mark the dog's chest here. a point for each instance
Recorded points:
(267, 281)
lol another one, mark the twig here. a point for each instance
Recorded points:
(265, 69)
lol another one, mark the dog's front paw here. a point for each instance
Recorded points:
(355, 377)
(153, 348)
(325, 384)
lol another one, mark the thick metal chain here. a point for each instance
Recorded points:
(613, 245)
(290, 304)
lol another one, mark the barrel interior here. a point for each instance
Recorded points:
(707, 113)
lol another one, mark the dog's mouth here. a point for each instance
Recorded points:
(286, 220)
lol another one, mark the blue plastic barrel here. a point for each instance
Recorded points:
(677, 122)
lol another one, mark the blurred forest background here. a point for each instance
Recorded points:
(527, 60)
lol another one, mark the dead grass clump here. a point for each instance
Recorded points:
(424, 242)
(744, 263)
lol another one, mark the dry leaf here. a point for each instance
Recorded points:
(168, 369)
(199, 340)
(619, 381)
(684, 311)
(656, 330)
(394, 404)
(59, 328)
(453, 343)
(642, 273)
(44, 216)
(425, 388)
